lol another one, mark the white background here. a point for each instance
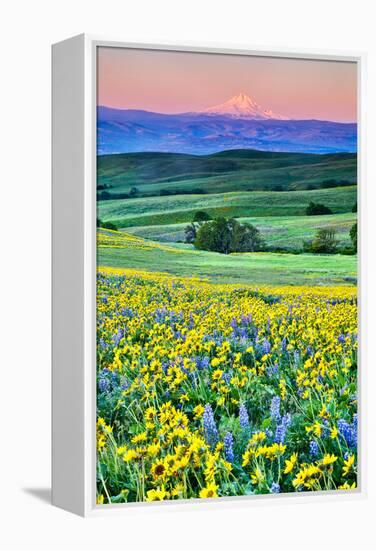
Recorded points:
(27, 30)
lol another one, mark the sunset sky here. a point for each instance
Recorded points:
(176, 82)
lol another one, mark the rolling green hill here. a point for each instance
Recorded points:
(116, 249)
(181, 208)
(154, 174)
(287, 232)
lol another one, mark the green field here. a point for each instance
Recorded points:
(269, 190)
(236, 170)
(181, 208)
(287, 231)
(116, 249)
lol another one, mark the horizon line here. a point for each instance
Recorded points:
(211, 115)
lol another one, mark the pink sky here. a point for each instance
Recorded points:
(176, 82)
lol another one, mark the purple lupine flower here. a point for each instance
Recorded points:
(275, 488)
(103, 384)
(118, 336)
(226, 376)
(281, 429)
(349, 431)
(210, 428)
(272, 370)
(313, 449)
(243, 417)
(228, 442)
(275, 408)
(266, 347)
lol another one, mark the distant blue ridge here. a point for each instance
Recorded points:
(130, 131)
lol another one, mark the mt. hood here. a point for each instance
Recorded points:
(243, 106)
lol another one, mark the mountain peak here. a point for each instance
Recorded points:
(242, 105)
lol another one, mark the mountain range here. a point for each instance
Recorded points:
(239, 123)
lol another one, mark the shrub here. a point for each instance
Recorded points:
(190, 233)
(201, 216)
(324, 242)
(107, 225)
(316, 209)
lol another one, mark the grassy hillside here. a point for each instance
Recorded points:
(289, 232)
(118, 249)
(237, 170)
(181, 208)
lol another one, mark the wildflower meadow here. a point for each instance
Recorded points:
(212, 390)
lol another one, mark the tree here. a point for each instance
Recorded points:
(190, 233)
(316, 209)
(354, 236)
(324, 242)
(245, 237)
(201, 216)
(134, 192)
(355, 207)
(214, 235)
(228, 235)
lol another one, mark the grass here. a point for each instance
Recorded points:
(238, 170)
(121, 250)
(181, 208)
(289, 232)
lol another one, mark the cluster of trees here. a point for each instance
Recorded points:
(106, 225)
(107, 195)
(325, 242)
(223, 235)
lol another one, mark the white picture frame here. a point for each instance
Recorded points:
(74, 275)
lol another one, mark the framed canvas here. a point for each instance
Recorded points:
(206, 275)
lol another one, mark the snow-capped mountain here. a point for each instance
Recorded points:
(243, 106)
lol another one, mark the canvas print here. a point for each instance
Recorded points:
(227, 275)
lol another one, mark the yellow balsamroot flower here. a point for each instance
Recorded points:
(139, 437)
(316, 428)
(308, 476)
(103, 431)
(217, 374)
(348, 465)
(282, 387)
(150, 413)
(257, 476)
(153, 449)
(257, 437)
(157, 494)
(129, 455)
(159, 470)
(271, 451)
(334, 432)
(199, 411)
(328, 459)
(290, 463)
(210, 491)
(346, 486)
(177, 491)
